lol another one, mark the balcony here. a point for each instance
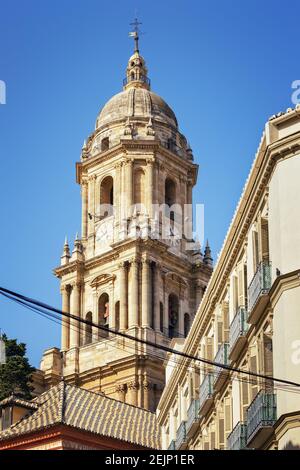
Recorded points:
(258, 291)
(172, 445)
(237, 439)
(220, 373)
(237, 333)
(192, 418)
(181, 439)
(206, 394)
(261, 417)
(135, 78)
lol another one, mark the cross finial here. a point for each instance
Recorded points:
(135, 33)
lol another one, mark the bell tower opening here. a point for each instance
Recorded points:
(106, 197)
(103, 314)
(173, 316)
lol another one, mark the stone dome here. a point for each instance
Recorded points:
(139, 104)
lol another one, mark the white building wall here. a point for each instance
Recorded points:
(284, 216)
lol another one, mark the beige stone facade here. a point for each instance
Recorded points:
(248, 319)
(132, 269)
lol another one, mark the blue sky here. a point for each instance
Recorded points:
(223, 66)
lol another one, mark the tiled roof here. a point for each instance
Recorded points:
(91, 412)
(13, 400)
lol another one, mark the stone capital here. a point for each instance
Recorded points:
(65, 289)
(134, 385)
(121, 388)
(146, 384)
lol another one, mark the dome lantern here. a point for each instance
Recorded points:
(136, 72)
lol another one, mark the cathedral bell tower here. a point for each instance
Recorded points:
(135, 268)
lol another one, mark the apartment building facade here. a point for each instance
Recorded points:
(248, 320)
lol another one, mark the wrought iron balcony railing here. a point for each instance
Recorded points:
(181, 435)
(261, 413)
(238, 327)
(172, 445)
(260, 284)
(140, 78)
(206, 390)
(192, 415)
(222, 358)
(237, 439)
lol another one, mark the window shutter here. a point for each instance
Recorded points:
(221, 432)
(225, 314)
(255, 250)
(240, 287)
(253, 368)
(245, 398)
(268, 357)
(213, 440)
(245, 287)
(228, 422)
(220, 333)
(264, 240)
(209, 349)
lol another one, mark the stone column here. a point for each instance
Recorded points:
(95, 331)
(121, 391)
(65, 322)
(128, 186)
(132, 388)
(147, 392)
(166, 307)
(112, 310)
(117, 194)
(181, 318)
(188, 226)
(146, 294)
(134, 294)
(75, 310)
(123, 296)
(150, 187)
(156, 292)
(84, 215)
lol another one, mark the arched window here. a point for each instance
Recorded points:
(139, 188)
(104, 144)
(117, 313)
(173, 315)
(103, 313)
(88, 329)
(187, 324)
(106, 197)
(170, 192)
(161, 317)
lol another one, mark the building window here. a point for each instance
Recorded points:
(106, 197)
(103, 314)
(88, 329)
(173, 315)
(170, 192)
(105, 144)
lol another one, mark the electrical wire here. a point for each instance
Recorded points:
(186, 356)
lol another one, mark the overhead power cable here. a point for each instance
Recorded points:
(167, 349)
